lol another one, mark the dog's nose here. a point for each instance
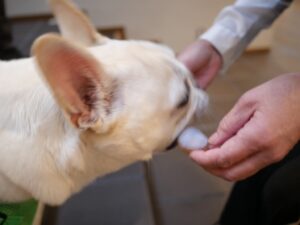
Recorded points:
(172, 145)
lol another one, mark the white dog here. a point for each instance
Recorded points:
(94, 111)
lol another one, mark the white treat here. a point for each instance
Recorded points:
(192, 139)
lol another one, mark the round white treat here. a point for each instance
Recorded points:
(193, 139)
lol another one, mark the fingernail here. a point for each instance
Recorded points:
(192, 139)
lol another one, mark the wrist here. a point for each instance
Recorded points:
(211, 46)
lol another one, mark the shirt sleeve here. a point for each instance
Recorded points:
(238, 24)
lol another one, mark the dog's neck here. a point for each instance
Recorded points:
(33, 130)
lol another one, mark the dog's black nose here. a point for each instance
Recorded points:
(173, 144)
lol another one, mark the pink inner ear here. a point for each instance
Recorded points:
(74, 78)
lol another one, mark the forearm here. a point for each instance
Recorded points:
(238, 24)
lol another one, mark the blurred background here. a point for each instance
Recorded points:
(174, 23)
(171, 189)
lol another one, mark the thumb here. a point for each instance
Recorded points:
(237, 117)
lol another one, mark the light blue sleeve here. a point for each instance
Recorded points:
(238, 24)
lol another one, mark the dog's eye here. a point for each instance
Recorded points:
(185, 100)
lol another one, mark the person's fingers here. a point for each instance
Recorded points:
(250, 166)
(237, 117)
(203, 60)
(204, 81)
(206, 75)
(233, 151)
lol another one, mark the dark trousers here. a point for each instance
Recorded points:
(271, 197)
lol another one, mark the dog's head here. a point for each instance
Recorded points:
(132, 95)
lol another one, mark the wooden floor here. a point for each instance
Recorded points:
(186, 195)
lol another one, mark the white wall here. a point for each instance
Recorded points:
(173, 22)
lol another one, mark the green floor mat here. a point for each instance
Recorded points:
(18, 214)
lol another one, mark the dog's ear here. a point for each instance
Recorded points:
(74, 24)
(76, 79)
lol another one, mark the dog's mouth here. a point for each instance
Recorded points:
(172, 145)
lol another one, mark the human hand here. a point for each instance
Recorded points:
(261, 129)
(203, 60)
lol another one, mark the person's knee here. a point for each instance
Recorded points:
(281, 197)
